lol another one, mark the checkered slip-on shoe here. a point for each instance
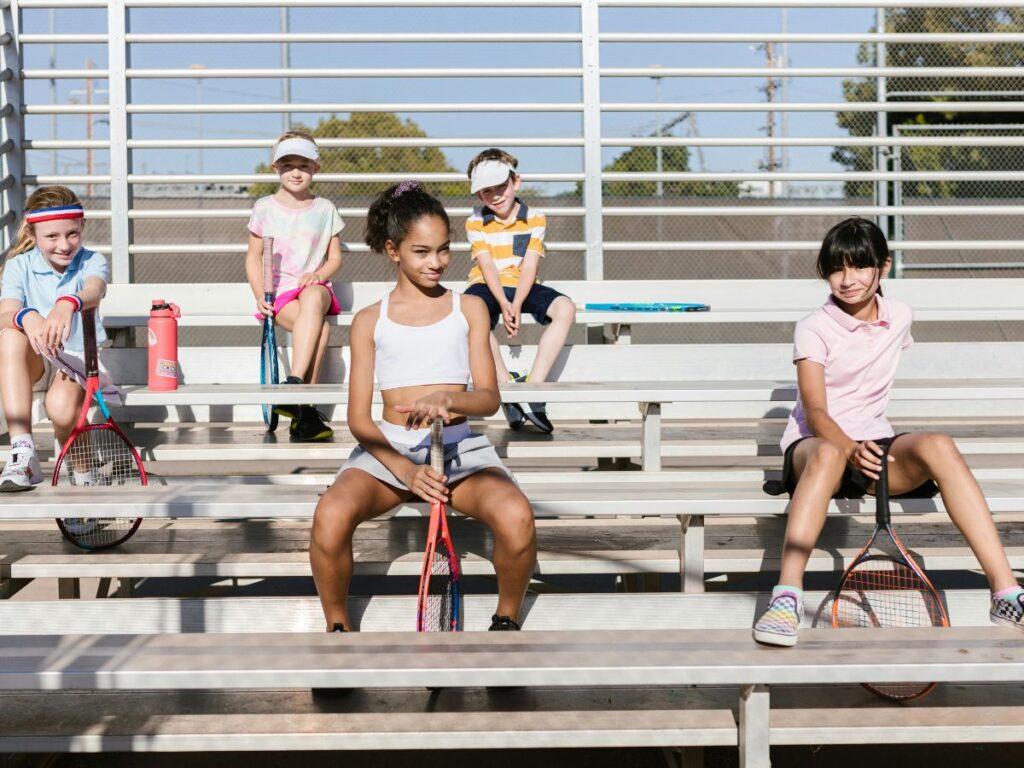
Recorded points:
(1009, 612)
(779, 624)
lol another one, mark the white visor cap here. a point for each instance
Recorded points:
(489, 173)
(296, 146)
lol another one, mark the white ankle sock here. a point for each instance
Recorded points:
(23, 440)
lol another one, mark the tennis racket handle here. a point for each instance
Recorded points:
(437, 446)
(163, 346)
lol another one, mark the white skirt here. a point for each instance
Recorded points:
(465, 453)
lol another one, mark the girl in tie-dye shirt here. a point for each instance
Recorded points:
(307, 253)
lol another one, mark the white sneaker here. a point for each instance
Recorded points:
(21, 471)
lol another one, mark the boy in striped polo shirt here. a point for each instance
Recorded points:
(506, 241)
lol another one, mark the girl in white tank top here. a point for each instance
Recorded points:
(424, 345)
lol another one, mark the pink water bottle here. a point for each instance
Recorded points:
(163, 345)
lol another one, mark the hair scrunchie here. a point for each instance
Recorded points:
(406, 186)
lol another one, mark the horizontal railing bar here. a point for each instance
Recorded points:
(523, 3)
(6, 147)
(642, 246)
(550, 72)
(810, 106)
(28, 38)
(352, 37)
(812, 72)
(444, 107)
(253, 178)
(808, 245)
(322, 142)
(512, 141)
(472, 72)
(7, 182)
(293, 3)
(796, 3)
(925, 38)
(246, 108)
(823, 141)
(244, 213)
(356, 72)
(937, 176)
(906, 267)
(638, 210)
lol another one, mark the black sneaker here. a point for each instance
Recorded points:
(289, 411)
(536, 414)
(311, 425)
(502, 624)
(513, 411)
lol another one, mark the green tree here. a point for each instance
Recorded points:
(915, 54)
(674, 159)
(411, 161)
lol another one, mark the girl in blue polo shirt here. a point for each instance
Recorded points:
(48, 278)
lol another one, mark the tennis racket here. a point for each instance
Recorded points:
(654, 306)
(268, 347)
(884, 587)
(438, 608)
(97, 455)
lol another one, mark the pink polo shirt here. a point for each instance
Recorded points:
(860, 361)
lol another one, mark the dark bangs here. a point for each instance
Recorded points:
(852, 243)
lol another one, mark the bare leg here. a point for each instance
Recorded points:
(563, 314)
(931, 455)
(353, 498)
(63, 404)
(491, 497)
(499, 364)
(818, 466)
(304, 317)
(20, 368)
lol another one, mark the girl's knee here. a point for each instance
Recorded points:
(334, 524)
(314, 299)
(13, 345)
(62, 407)
(826, 456)
(937, 446)
(514, 525)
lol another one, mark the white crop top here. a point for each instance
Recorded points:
(412, 355)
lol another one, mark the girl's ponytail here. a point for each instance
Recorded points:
(394, 211)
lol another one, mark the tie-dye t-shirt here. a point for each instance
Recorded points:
(301, 236)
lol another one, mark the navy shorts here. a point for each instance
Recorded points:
(537, 301)
(854, 483)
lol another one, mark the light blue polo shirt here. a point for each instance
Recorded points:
(29, 278)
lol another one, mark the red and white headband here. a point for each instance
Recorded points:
(57, 212)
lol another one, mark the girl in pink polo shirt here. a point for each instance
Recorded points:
(846, 354)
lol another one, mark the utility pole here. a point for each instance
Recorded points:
(659, 188)
(769, 91)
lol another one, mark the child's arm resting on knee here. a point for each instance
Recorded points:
(55, 329)
(330, 266)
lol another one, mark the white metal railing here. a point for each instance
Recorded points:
(588, 41)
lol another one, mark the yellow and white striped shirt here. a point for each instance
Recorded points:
(507, 242)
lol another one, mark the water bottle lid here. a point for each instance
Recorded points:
(160, 304)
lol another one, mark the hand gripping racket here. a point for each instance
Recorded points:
(268, 347)
(438, 608)
(97, 455)
(884, 587)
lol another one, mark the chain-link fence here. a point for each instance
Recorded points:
(665, 142)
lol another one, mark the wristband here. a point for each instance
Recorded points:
(72, 299)
(20, 317)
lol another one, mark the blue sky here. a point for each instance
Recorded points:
(241, 90)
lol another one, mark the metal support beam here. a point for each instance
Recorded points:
(121, 235)
(593, 229)
(691, 553)
(12, 164)
(650, 437)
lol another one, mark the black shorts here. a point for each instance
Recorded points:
(537, 301)
(854, 484)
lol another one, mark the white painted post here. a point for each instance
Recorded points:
(593, 228)
(754, 727)
(120, 132)
(12, 164)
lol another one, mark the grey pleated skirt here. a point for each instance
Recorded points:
(465, 453)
